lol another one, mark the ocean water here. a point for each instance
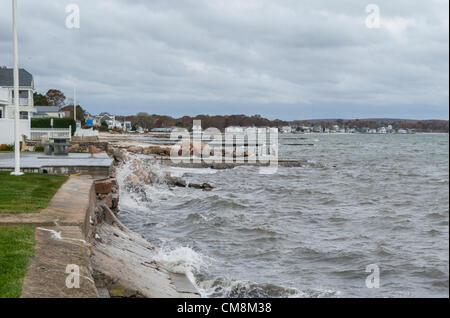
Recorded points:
(308, 232)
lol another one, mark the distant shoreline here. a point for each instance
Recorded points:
(149, 122)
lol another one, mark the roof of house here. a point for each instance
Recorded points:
(7, 78)
(68, 108)
(47, 109)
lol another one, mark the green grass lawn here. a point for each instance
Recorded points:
(16, 249)
(27, 193)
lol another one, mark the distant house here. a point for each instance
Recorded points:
(109, 119)
(127, 126)
(317, 129)
(112, 124)
(305, 129)
(102, 117)
(26, 88)
(163, 130)
(48, 111)
(286, 130)
(67, 111)
(382, 130)
(92, 121)
(365, 130)
(234, 129)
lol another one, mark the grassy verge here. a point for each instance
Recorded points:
(16, 249)
(27, 193)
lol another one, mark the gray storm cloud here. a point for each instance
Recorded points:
(287, 59)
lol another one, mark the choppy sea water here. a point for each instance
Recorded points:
(310, 232)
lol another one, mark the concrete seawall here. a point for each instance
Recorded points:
(62, 244)
(112, 260)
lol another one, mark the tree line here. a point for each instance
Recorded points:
(418, 125)
(149, 121)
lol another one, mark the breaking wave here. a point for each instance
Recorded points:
(227, 288)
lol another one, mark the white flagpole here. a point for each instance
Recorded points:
(16, 93)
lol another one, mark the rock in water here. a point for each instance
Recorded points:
(207, 187)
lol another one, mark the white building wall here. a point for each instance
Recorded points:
(7, 130)
(4, 95)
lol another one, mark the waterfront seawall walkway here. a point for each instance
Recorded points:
(60, 241)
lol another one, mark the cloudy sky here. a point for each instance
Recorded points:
(288, 59)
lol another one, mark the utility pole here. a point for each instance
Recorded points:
(16, 93)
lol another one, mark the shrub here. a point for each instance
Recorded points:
(103, 127)
(39, 149)
(57, 123)
(6, 147)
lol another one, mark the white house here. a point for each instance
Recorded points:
(104, 117)
(286, 129)
(110, 120)
(234, 129)
(317, 129)
(7, 107)
(382, 130)
(127, 126)
(112, 123)
(26, 88)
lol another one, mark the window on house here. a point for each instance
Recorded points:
(23, 115)
(22, 94)
(1, 113)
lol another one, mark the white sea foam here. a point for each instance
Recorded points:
(182, 260)
(246, 289)
(180, 172)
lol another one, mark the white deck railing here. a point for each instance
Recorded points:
(47, 133)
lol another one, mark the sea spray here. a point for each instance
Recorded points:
(183, 260)
(150, 186)
(230, 288)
